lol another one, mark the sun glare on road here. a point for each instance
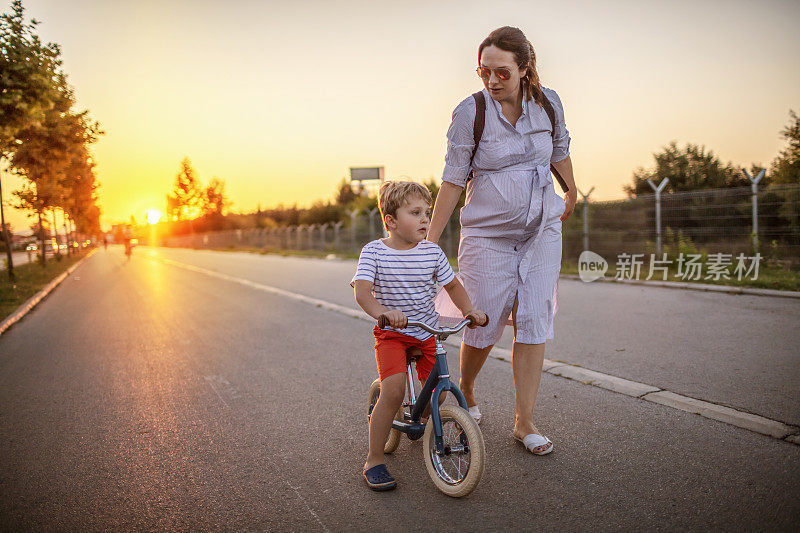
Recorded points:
(153, 216)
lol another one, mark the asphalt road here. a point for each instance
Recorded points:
(736, 350)
(143, 396)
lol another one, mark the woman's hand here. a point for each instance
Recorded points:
(570, 199)
(478, 318)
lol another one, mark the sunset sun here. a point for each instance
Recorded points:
(153, 216)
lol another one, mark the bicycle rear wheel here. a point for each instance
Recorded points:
(459, 470)
(393, 441)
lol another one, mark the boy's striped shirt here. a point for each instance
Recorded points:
(406, 279)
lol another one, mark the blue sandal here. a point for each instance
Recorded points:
(378, 478)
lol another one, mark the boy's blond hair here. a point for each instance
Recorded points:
(394, 194)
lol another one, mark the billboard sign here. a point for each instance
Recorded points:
(366, 173)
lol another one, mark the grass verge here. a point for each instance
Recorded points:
(768, 277)
(31, 278)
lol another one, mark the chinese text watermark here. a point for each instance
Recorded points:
(686, 267)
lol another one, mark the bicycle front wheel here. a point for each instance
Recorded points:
(459, 470)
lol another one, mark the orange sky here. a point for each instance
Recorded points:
(279, 100)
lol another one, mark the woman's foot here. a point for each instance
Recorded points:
(476, 414)
(521, 429)
(472, 404)
(536, 444)
(529, 435)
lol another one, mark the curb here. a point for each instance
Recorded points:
(641, 391)
(756, 423)
(25, 308)
(697, 287)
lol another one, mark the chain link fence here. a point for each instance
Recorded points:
(708, 221)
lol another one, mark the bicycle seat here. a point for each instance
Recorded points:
(413, 353)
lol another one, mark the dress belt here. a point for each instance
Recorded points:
(541, 180)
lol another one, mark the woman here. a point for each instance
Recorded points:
(509, 256)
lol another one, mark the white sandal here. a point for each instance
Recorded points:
(536, 444)
(476, 414)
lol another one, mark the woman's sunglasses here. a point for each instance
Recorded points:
(486, 73)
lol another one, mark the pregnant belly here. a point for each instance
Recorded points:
(501, 201)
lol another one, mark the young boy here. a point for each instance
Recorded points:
(396, 278)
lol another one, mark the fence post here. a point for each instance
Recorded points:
(352, 214)
(754, 187)
(311, 228)
(323, 230)
(658, 210)
(336, 227)
(586, 218)
(371, 214)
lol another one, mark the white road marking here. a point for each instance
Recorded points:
(310, 510)
(209, 380)
(735, 417)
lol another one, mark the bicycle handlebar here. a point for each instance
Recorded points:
(384, 322)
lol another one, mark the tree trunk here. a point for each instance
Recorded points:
(56, 250)
(41, 239)
(66, 232)
(7, 237)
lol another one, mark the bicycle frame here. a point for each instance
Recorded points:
(437, 383)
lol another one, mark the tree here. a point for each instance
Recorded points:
(213, 204)
(321, 212)
(28, 66)
(786, 167)
(81, 199)
(26, 85)
(44, 153)
(184, 202)
(7, 230)
(214, 200)
(689, 169)
(344, 193)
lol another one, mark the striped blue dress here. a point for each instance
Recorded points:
(510, 244)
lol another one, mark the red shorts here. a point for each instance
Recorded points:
(390, 353)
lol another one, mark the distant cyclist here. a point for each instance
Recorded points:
(128, 241)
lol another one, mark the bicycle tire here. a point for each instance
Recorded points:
(455, 422)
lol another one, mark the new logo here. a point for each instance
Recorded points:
(591, 266)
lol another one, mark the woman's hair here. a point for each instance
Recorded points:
(513, 40)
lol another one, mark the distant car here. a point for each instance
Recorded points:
(62, 247)
(32, 247)
(134, 242)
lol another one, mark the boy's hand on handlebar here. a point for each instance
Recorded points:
(478, 318)
(393, 318)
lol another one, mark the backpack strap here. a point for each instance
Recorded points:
(477, 126)
(480, 122)
(551, 114)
